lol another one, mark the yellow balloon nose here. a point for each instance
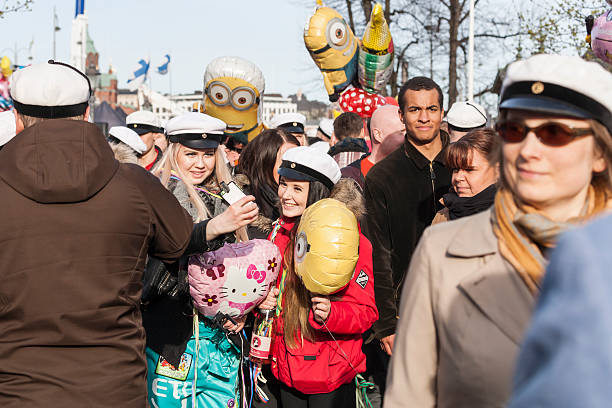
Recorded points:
(244, 294)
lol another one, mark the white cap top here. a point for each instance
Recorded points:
(307, 163)
(195, 122)
(8, 127)
(321, 146)
(292, 122)
(327, 126)
(143, 121)
(466, 115)
(129, 137)
(37, 88)
(196, 130)
(559, 85)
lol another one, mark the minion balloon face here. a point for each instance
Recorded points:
(333, 47)
(233, 89)
(326, 247)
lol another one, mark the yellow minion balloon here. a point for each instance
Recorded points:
(326, 246)
(233, 90)
(5, 67)
(333, 47)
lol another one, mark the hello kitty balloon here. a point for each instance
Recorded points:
(233, 279)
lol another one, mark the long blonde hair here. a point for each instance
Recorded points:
(163, 170)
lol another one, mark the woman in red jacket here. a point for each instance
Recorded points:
(316, 352)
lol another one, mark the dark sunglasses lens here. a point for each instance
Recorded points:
(554, 134)
(511, 132)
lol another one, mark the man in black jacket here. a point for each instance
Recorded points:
(402, 193)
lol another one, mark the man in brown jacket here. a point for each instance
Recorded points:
(75, 229)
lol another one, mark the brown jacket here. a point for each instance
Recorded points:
(463, 314)
(75, 230)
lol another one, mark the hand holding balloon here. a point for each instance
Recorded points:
(270, 302)
(235, 328)
(321, 306)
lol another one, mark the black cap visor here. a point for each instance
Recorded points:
(142, 129)
(296, 171)
(197, 141)
(291, 128)
(295, 175)
(544, 105)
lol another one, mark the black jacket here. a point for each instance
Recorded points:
(402, 194)
(353, 171)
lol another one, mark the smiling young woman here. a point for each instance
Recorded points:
(473, 282)
(193, 168)
(313, 331)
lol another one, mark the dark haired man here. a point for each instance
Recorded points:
(348, 143)
(402, 193)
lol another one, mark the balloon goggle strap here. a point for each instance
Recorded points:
(230, 95)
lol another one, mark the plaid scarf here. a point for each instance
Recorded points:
(525, 235)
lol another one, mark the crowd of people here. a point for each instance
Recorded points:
(458, 215)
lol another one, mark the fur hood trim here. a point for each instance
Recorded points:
(124, 153)
(347, 192)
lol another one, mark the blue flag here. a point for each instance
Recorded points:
(163, 68)
(139, 76)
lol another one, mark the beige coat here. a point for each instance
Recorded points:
(463, 314)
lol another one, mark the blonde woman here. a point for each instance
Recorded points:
(473, 282)
(193, 168)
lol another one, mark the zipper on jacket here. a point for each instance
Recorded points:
(432, 175)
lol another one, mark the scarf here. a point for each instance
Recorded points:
(524, 234)
(463, 206)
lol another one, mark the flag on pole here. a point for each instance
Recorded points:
(163, 68)
(139, 76)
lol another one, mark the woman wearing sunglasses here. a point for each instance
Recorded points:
(473, 282)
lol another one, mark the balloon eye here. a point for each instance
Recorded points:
(242, 98)
(337, 33)
(301, 247)
(233, 290)
(219, 93)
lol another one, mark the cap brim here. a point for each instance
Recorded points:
(292, 129)
(141, 131)
(200, 144)
(544, 104)
(294, 174)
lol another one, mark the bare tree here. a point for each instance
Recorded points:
(556, 26)
(10, 6)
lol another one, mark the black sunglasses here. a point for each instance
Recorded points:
(549, 133)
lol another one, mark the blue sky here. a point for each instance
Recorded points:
(193, 32)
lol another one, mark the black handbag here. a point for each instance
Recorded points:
(161, 279)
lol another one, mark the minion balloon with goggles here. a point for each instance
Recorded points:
(233, 90)
(353, 71)
(334, 49)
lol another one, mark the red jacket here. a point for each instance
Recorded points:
(321, 367)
